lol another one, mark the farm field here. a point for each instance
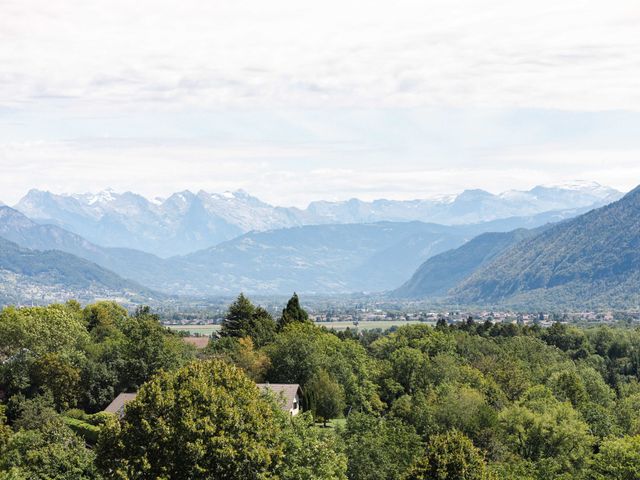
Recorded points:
(196, 329)
(370, 325)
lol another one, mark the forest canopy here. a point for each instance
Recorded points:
(461, 401)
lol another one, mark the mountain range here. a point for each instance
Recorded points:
(186, 222)
(321, 258)
(327, 258)
(585, 262)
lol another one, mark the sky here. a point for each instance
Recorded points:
(297, 101)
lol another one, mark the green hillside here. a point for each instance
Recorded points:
(440, 273)
(592, 260)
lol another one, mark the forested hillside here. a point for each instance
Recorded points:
(454, 402)
(440, 273)
(591, 260)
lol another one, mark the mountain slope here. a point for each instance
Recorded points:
(320, 259)
(440, 273)
(139, 266)
(186, 222)
(591, 260)
(31, 275)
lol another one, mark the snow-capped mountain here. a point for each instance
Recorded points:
(470, 206)
(185, 221)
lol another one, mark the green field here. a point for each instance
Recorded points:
(383, 324)
(196, 329)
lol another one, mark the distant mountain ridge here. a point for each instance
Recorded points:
(141, 267)
(324, 258)
(186, 222)
(319, 259)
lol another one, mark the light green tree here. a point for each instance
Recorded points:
(380, 447)
(207, 420)
(450, 456)
(541, 429)
(51, 452)
(618, 459)
(310, 453)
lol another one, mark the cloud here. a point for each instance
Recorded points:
(147, 54)
(295, 101)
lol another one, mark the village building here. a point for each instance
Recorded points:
(289, 393)
(118, 404)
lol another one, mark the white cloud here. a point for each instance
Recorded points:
(574, 54)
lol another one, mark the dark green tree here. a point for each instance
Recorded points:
(147, 348)
(292, 313)
(244, 319)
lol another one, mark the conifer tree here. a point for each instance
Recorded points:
(292, 313)
(238, 318)
(244, 319)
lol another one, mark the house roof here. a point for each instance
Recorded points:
(117, 406)
(287, 391)
(198, 342)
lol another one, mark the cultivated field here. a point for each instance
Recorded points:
(383, 324)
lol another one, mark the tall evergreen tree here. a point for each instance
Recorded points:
(238, 317)
(292, 313)
(244, 319)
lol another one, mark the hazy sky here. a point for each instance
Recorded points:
(294, 100)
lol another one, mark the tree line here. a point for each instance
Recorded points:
(462, 401)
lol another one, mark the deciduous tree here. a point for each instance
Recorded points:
(207, 420)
